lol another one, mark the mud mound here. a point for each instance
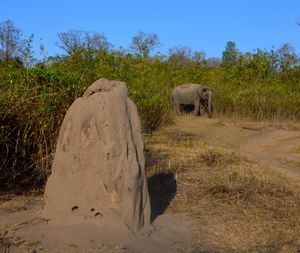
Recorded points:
(98, 172)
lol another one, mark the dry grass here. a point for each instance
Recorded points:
(237, 204)
(195, 168)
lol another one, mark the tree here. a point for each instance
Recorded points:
(75, 40)
(287, 57)
(180, 55)
(10, 40)
(213, 62)
(199, 56)
(260, 64)
(231, 53)
(143, 43)
(27, 52)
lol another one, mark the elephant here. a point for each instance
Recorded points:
(192, 94)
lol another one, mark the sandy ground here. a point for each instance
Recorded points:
(276, 147)
(183, 154)
(273, 144)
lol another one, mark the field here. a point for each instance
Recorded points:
(227, 181)
(236, 181)
(226, 184)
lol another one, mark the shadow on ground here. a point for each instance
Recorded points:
(162, 184)
(162, 189)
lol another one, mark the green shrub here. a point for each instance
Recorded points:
(33, 101)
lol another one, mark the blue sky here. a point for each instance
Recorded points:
(201, 25)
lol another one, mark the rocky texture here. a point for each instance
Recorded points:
(98, 171)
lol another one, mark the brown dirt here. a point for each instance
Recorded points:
(234, 184)
(273, 144)
(227, 181)
(277, 148)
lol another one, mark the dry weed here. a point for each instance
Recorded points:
(238, 205)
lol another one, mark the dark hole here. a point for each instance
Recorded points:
(93, 209)
(75, 208)
(98, 214)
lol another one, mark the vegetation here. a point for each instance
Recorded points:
(34, 95)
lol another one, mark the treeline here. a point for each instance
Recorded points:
(35, 94)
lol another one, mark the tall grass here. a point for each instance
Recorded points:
(33, 100)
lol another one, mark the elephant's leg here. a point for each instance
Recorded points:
(209, 108)
(210, 111)
(176, 108)
(209, 104)
(196, 107)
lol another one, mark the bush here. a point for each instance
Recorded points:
(33, 101)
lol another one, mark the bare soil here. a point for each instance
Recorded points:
(215, 185)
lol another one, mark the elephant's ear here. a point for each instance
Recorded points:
(205, 95)
(203, 92)
(199, 91)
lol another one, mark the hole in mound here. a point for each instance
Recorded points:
(75, 209)
(93, 209)
(98, 214)
(162, 188)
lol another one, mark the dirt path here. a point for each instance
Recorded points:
(272, 144)
(277, 148)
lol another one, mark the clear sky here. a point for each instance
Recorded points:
(200, 24)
